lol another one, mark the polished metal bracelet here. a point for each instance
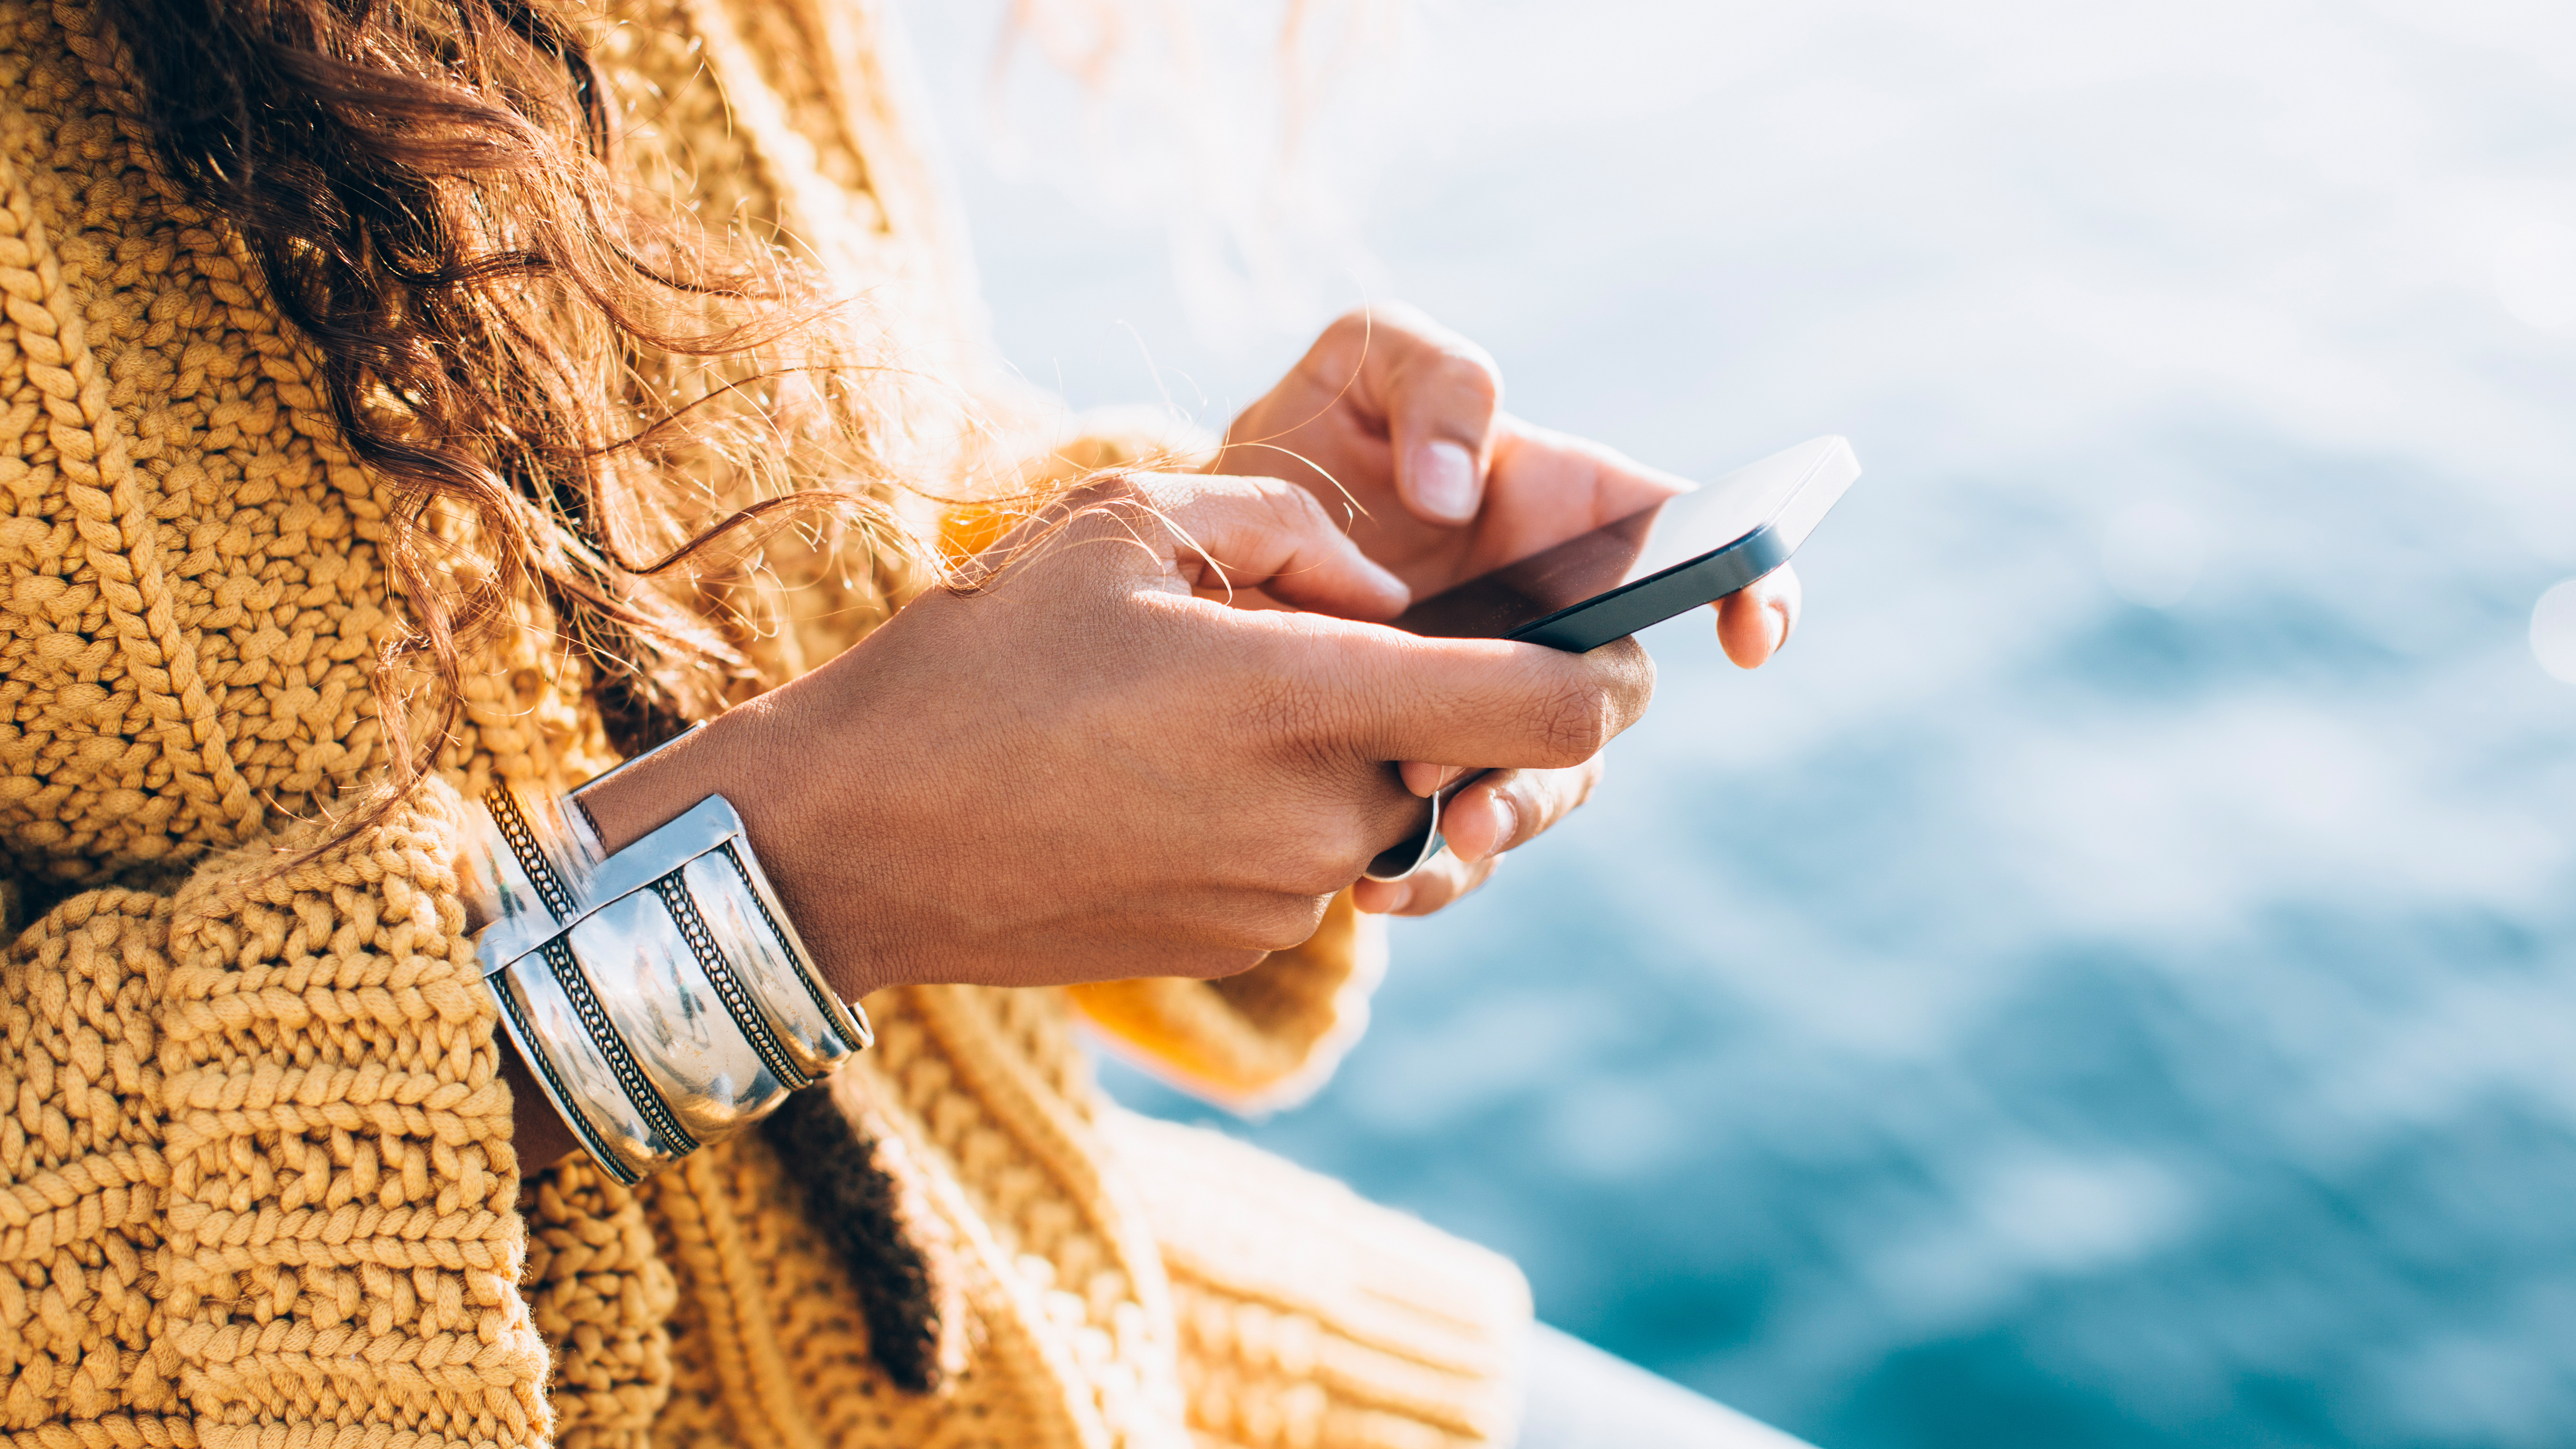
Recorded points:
(659, 995)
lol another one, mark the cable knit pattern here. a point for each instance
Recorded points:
(341, 1248)
(600, 1291)
(195, 599)
(257, 1188)
(1312, 1317)
(83, 1179)
(1261, 1040)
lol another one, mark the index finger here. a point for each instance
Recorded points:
(1442, 395)
(1548, 486)
(1486, 703)
(1436, 393)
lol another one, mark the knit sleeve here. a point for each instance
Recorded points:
(1261, 1040)
(257, 1187)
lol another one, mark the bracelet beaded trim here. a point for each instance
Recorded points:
(729, 988)
(514, 1020)
(659, 994)
(526, 868)
(541, 875)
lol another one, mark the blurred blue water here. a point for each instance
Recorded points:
(2024, 1015)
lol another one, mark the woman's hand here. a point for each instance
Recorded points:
(1396, 424)
(1085, 771)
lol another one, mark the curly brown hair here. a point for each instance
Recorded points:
(575, 397)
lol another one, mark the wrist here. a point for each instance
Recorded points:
(653, 981)
(744, 756)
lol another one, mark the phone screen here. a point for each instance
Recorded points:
(1493, 605)
(1692, 549)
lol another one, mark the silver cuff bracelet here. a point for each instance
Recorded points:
(659, 995)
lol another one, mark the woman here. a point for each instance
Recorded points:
(399, 401)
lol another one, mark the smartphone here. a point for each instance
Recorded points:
(1691, 549)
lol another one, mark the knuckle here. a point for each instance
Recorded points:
(1284, 923)
(1103, 489)
(1631, 679)
(1572, 723)
(1401, 319)
(1323, 861)
(1175, 495)
(1270, 710)
(1322, 878)
(1283, 709)
(1557, 794)
(1473, 371)
(1435, 350)
(1293, 507)
(1121, 502)
(1340, 345)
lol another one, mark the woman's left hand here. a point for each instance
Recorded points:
(1396, 424)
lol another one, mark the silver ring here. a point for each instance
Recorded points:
(1433, 842)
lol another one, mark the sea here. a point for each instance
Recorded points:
(2111, 983)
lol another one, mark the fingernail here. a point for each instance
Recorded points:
(1444, 481)
(1507, 823)
(1779, 625)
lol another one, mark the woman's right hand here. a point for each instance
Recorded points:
(1086, 770)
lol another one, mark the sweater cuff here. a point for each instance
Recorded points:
(1256, 1042)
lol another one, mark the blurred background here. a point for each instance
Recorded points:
(2113, 982)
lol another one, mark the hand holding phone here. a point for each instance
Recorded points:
(1691, 549)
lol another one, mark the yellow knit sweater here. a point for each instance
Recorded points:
(257, 1188)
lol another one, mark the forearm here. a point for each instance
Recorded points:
(755, 757)
(731, 757)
